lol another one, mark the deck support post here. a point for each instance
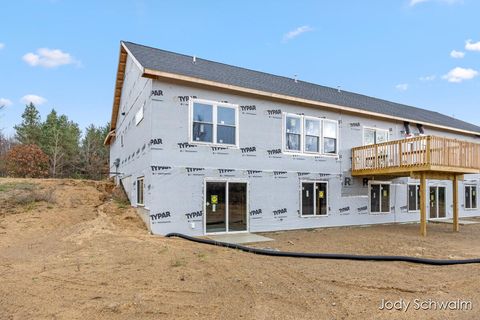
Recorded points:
(423, 204)
(456, 227)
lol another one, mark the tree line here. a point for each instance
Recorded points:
(54, 147)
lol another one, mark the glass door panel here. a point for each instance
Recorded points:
(442, 212)
(375, 198)
(215, 207)
(237, 206)
(385, 197)
(308, 198)
(322, 198)
(433, 203)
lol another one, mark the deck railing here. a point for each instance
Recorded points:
(423, 152)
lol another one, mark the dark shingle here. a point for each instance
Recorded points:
(161, 60)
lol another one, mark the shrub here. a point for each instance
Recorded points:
(26, 161)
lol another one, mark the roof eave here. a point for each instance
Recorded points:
(122, 63)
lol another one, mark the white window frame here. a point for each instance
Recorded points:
(314, 215)
(417, 195)
(214, 105)
(375, 129)
(302, 151)
(142, 180)
(284, 136)
(226, 181)
(304, 135)
(370, 183)
(336, 138)
(471, 202)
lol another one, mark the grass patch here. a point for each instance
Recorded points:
(25, 195)
(162, 250)
(26, 198)
(175, 263)
(120, 197)
(202, 256)
(122, 204)
(4, 187)
(30, 206)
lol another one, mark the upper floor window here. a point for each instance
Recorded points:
(374, 135)
(293, 130)
(213, 122)
(310, 135)
(139, 115)
(330, 133)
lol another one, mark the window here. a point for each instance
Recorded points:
(140, 191)
(380, 198)
(310, 135)
(314, 201)
(293, 132)
(413, 197)
(374, 136)
(329, 136)
(470, 197)
(214, 123)
(139, 115)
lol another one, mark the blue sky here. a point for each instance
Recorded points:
(63, 54)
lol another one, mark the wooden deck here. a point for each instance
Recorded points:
(424, 157)
(418, 154)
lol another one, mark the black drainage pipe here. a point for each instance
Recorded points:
(333, 256)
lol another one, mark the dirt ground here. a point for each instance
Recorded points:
(70, 251)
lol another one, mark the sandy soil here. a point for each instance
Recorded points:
(74, 253)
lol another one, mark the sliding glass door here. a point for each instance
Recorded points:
(225, 206)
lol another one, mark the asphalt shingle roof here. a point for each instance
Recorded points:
(166, 61)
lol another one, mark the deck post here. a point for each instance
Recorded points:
(423, 204)
(456, 227)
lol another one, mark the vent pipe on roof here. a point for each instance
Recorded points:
(194, 60)
(338, 89)
(295, 76)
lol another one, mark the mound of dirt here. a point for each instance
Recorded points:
(75, 249)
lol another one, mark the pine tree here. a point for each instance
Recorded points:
(60, 141)
(28, 132)
(94, 154)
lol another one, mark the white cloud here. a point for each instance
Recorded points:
(2, 45)
(428, 78)
(49, 58)
(36, 100)
(457, 54)
(415, 2)
(458, 75)
(472, 46)
(295, 33)
(5, 102)
(402, 87)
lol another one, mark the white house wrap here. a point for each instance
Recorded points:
(201, 149)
